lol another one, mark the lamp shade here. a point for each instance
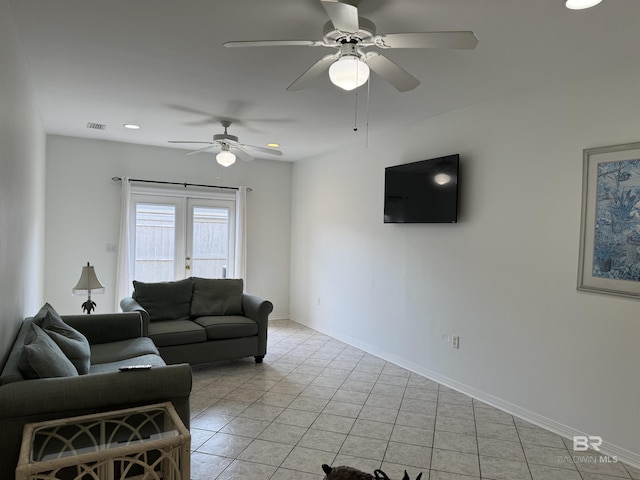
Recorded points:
(226, 158)
(348, 72)
(88, 282)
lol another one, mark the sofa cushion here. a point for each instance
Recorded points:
(227, 326)
(216, 296)
(74, 344)
(176, 332)
(165, 300)
(42, 358)
(149, 359)
(121, 350)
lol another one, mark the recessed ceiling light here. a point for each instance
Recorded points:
(131, 126)
(273, 145)
(581, 4)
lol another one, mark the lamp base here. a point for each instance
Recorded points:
(88, 306)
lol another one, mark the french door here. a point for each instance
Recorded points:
(178, 236)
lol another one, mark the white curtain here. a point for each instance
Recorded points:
(241, 235)
(124, 279)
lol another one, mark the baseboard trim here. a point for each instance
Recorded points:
(622, 454)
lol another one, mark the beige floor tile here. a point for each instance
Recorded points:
(317, 400)
(456, 442)
(456, 425)
(207, 467)
(288, 434)
(225, 445)
(364, 447)
(372, 429)
(455, 462)
(499, 431)
(379, 414)
(413, 435)
(322, 440)
(240, 469)
(268, 453)
(333, 423)
(492, 447)
(495, 468)
(543, 472)
(300, 418)
(286, 474)
(307, 460)
(405, 454)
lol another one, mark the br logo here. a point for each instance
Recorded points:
(582, 443)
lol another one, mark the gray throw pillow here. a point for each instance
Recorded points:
(42, 358)
(165, 300)
(72, 343)
(216, 296)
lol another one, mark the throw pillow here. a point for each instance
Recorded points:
(74, 344)
(42, 358)
(165, 300)
(216, 296)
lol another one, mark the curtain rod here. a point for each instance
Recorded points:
(185, 185)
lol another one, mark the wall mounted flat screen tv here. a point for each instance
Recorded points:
(422, 192)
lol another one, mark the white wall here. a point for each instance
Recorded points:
(22, 172)
(503, 278)
(83, 213)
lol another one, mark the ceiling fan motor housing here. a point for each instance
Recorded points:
(365, 35)
(224, 136)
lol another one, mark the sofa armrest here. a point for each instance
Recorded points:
(94, 392)
(107, 327)
(128, 304)
(258, 310)
(53, 398)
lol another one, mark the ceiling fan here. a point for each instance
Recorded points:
(230, 147)
(350, 34)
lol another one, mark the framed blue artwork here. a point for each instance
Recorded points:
(610, 226)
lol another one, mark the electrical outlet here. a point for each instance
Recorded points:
(318, 301)
(455, 341)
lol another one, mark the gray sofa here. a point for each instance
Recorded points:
(114, 340)
(201, 320)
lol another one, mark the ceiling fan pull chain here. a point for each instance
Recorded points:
(355, 118)
(366, 135)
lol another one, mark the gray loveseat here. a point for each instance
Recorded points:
(114, 340)
(202, 320)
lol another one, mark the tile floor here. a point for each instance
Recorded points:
(317, 400)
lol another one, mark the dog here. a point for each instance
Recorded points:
(349, 473)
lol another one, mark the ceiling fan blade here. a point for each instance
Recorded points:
(188, 141)
(200, 150)
(316, 69)
(276, 43)
(270, 151)
(463, 40)
(392, 73)
(343, 16)
(241, 154)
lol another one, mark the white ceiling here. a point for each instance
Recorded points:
(161, 64)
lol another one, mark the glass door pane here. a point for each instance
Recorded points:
(210, 247)
(155, 249)
(210, 243)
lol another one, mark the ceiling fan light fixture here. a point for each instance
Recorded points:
(348, 72)
(226, 158)
(581, 4)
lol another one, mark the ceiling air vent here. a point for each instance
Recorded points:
(96, 126)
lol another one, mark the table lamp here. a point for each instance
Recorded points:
(88, 283)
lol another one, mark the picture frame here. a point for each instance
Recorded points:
(609, 258)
